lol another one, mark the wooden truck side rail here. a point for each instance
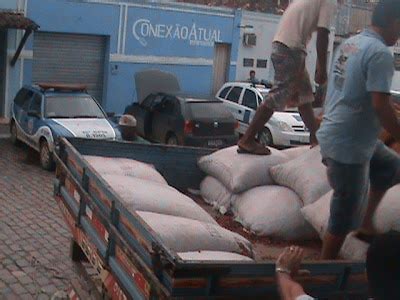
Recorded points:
(135, 259)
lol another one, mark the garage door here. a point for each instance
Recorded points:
(70, 58)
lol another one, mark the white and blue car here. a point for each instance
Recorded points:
(42, 113)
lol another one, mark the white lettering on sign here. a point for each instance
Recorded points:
(143, 29)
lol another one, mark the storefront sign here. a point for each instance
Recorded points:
(144, 29)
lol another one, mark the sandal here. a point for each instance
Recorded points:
(260, 150)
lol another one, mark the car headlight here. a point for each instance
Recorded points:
(283, 126)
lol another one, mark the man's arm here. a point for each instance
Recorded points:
(288, 265)
(386, 113)
(288, 288)
(322, 53)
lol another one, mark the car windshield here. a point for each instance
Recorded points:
(72, 107)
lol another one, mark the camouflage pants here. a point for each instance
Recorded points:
(292, 87)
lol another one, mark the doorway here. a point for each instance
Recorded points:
(222, 56)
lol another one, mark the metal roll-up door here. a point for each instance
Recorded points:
(70, 58)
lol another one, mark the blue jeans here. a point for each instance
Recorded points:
(350, 183)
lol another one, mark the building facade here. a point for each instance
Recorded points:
(104, 43)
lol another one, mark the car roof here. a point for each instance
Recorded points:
(58, 89)
(259, 87)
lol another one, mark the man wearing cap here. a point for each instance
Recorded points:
(127, 125)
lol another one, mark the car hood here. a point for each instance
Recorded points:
(291, 118)
(155, 81)
(87, 128)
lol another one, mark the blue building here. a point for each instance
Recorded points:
(103, 43)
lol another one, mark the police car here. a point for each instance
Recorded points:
(285, 128)
(42, 113)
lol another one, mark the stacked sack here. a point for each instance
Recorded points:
(180, 223)
(385, 219)
(245, 185)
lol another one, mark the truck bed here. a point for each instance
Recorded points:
(264, 248)
(135, 264)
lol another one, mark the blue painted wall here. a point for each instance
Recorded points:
(154, 31)
(76, 17)
(8, 4)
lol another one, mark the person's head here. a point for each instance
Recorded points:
(383, 266)
(252, 74)
(386, 20)
(127, 125)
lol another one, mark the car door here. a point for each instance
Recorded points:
(34, 119)
(248, 106)
(222, 97)
(232, 102)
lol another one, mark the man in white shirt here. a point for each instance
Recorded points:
(292, 85)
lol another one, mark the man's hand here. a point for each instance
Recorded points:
(289, 262)
(290, 259)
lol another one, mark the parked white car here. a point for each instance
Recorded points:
(285, 128)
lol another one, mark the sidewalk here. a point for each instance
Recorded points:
(34, 239)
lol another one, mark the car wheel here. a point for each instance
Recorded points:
(265, 137)
(172, 140)
(46, 157)
(14, 134)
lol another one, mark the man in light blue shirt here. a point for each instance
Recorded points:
(358, 105)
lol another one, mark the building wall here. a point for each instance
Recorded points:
(8, 5)
(178, 38)
(265, 26)
(13, 74)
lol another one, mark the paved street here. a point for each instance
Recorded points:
(34, 240)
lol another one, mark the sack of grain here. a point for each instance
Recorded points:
(387, 214)
(295, 152)
(306, 175)
(144, 195)
(354, 249)
(385, 219)
(317, 214)
(124, 166)
(273, 211)
(213, 255)
(216, 194)
(185, 235)
(240, 172)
